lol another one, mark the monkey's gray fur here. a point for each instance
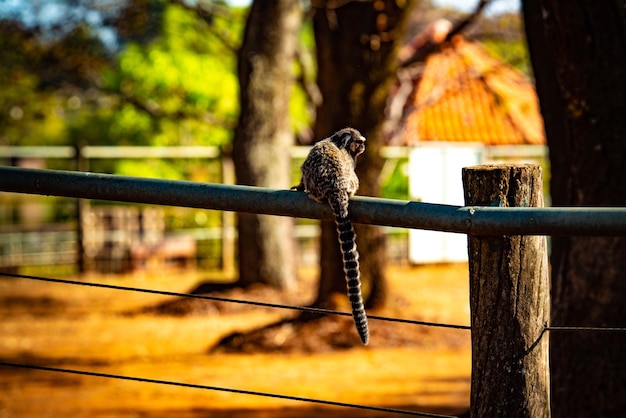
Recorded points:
(328, 176)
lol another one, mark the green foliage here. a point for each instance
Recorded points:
(184, 82)
(394, 181)
(305, 70)
(175, 84)
(503, 36)
(513, 52)
(28, 118)
(29, 113)
(172, 82)
(298, 108)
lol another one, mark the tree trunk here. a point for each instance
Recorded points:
(265, 245)
(578, 52)
(356, 56)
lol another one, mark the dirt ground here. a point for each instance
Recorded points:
(158, 337)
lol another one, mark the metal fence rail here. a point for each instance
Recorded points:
(396, 213)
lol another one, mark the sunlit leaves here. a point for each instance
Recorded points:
(514, 52)
(32, 110)
(172, 79)
(180, 80)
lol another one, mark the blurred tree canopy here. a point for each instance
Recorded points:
(139, 72)
(157, 78)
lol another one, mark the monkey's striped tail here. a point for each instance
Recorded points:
(347, 242)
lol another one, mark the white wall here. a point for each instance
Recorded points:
(435, 177)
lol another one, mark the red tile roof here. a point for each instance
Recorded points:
(465, 95)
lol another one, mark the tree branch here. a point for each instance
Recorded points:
(464, 23)
(207, 11)
(156, 112)
(431, 46)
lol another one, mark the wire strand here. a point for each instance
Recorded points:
(223, 389)
(586, 329)
(230, 300)
(293, 307)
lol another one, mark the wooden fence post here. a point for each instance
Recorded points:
(509, 300)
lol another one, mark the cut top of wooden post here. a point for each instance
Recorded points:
(503, 185)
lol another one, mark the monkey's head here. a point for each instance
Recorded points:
(351, 140)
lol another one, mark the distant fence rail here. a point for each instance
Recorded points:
(94, 151)
(37, 248)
